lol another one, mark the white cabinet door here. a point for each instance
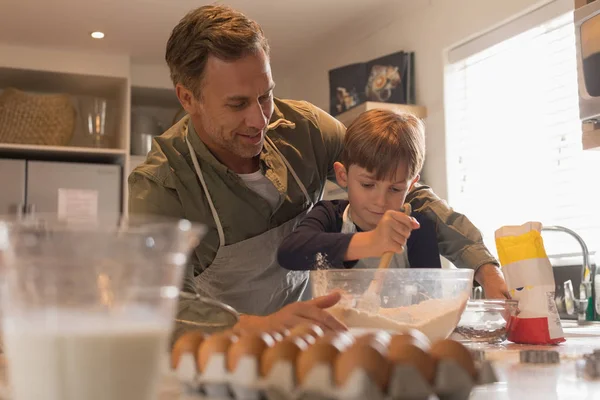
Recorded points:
(12, 185)
(59, 186)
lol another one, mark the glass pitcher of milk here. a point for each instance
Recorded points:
(88, 304)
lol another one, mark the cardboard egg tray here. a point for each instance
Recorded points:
(451, 382)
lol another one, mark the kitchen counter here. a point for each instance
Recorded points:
(553, 382)
(524, 382)
(517, 381)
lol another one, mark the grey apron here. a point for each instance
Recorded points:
(246, 275)
(398, 261)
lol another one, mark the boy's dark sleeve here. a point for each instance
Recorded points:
(318, 234)
(422, 245)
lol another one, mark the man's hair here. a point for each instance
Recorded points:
(212, 30)
(380, 140)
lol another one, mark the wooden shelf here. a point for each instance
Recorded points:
(591, 136)
(582, 3)
(61, 152)
(81, 75)
(52, 82)
(347, 117)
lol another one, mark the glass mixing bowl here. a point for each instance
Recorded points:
(430, 300)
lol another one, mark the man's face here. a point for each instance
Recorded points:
(235, 106)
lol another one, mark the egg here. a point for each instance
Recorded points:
(302, 330)
(318, 353)
(251, 344)
(411, 336)
(410, 354)
(448, 349)
(380, 337)
(217, 343)
(187, 343)
(285, 350)
(278, 336)
(367, 356)
(341, 340)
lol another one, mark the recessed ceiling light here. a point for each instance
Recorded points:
(97, 35)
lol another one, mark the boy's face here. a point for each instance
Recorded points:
(370, 198)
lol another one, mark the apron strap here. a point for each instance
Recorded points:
(209, 198)
(205, 188)
(289, 167)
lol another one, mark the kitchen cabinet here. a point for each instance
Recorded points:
(60, 187)
(12, 185)
(56, 186)
(83, 76)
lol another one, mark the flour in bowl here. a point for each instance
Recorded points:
(436, 318)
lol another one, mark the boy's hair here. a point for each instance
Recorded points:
(212, 30)
(380, 140)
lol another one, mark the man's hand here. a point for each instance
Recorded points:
(490, 277)
(300, 313)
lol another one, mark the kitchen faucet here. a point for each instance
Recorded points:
(585, 287)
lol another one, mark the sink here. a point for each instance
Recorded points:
(581, 282)
(561, 275)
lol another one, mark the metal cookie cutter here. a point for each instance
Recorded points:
(539, 357)
(589, 366)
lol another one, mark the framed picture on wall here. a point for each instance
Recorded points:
(346, 87)
(386, 78)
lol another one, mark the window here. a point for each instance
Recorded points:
(514, 148)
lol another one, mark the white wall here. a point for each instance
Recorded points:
(157, 76)
(151, 75)
(428, 30)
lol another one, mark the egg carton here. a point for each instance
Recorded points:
(451, 382)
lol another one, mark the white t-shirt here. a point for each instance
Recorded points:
(262, 186)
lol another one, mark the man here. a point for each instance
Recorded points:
(249, 166)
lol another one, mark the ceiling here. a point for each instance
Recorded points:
(141, 28)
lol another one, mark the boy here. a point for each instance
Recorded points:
(382, 157)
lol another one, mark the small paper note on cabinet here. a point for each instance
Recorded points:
(77, 204)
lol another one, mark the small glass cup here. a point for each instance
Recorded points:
(94, 113)
(486, 321)
(88, 304)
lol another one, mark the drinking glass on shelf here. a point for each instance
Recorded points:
(93, 111)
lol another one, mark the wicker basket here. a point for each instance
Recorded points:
(27, 118)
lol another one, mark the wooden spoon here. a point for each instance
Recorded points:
(370, 301)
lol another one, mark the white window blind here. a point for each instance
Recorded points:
(514, 138)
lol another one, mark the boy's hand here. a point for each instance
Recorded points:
(392, 232)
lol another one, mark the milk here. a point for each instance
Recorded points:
(70, 356)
